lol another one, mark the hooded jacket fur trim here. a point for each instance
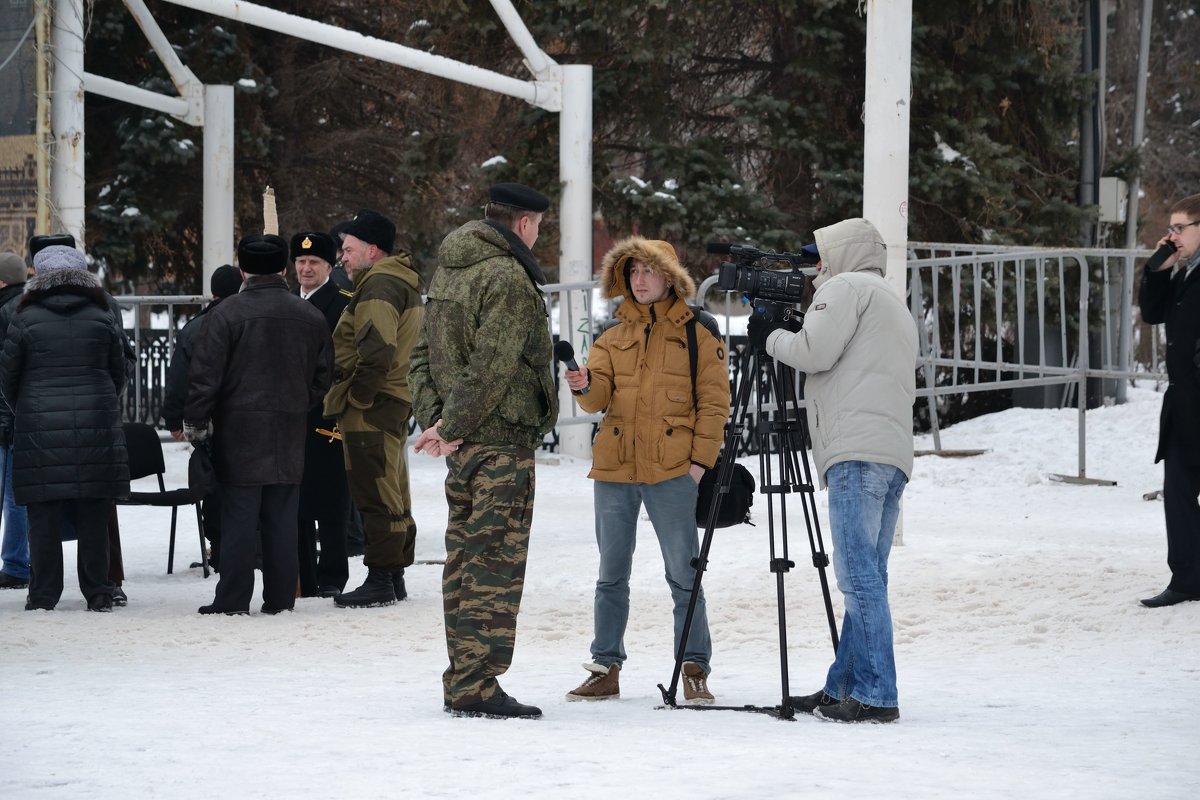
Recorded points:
(63, 281)
(657, 255)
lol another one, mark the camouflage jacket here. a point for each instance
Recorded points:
(482, 362)
(374, 336)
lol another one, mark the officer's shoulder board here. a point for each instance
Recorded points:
(345, 293)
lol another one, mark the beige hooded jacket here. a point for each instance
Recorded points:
(858, 347)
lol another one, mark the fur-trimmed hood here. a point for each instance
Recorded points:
(73, 286)
(656, 254)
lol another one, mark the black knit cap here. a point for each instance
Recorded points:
(314, 243)
(373, 228)
(262, 254)
(518, 196)
(225, 282)
(36, 243)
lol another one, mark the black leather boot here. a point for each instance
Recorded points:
(376, 590)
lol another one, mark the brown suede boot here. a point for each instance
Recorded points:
(601, 684)
(695, 685)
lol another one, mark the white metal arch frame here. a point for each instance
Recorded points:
(566, 89)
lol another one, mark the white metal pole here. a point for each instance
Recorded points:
(218, 180)
(885, 166)
(575, 226)
(535, 58)
(1139, 124)
(66, 119)
(885, 149)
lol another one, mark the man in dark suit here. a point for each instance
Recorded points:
(324, 493)
(1170, 294)
(262, 360)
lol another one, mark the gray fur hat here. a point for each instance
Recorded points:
(58, 257)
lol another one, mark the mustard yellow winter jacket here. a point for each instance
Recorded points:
(639, 371)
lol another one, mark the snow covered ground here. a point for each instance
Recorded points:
(1027, 667)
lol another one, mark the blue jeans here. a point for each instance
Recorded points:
(14, 549)
(864, 504)
(672, 508)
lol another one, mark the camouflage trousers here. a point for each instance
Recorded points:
(490, 492)
(374, 441)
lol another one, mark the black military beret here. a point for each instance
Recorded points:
(36, 243)
(314, 243)
(226, 281)
(373, 228)
(262, 254)
(518, 196)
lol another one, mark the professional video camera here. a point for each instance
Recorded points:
(758, 276)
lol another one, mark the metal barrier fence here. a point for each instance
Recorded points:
(990, 319)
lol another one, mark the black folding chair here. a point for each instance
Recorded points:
(145, 459)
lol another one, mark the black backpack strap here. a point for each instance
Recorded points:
(690, 326)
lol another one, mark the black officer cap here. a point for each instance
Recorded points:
(262, 254)
(518, 196)
(314, 243)
(373, 228)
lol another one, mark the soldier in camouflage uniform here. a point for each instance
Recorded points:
(484, 394)
(371, 400)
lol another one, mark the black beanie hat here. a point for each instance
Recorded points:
(262, 254)
(373, 228)
(225, 282)
(314, 243)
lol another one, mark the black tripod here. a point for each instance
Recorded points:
(779, 441)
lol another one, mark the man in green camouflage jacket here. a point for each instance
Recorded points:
(484, 394)
(372, 403)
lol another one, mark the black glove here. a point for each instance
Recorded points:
(759, 328)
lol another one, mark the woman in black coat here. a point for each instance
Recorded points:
(61, 370)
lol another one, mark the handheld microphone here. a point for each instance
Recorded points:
(1160, 255)
(566, 354)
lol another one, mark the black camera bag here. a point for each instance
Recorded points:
(735, 505)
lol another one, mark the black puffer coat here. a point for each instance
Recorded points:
(61, 370)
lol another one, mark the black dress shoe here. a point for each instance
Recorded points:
(101, 602)
(213, 609)
(12, 582)
(32, 606)
(1168, 597)
(266, 609)
(811, 702)
(850, 710)
(328, 591)
(119, 597)
(502, 706)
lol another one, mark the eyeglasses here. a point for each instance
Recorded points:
(1178, 229)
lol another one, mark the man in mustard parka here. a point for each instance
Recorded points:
(654, 444)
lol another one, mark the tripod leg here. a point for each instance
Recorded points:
(733, 430)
